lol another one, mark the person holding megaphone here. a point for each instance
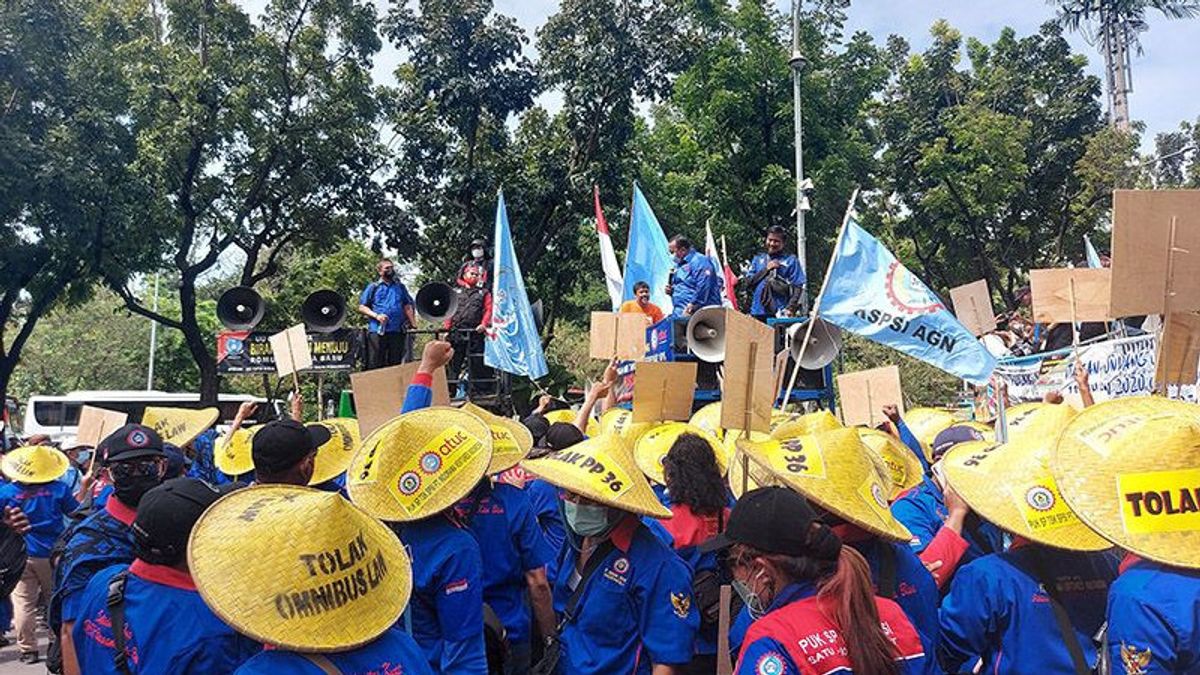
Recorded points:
(388, 307)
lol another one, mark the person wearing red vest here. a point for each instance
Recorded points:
(815, 611)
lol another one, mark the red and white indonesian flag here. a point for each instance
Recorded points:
(608, 257)
(710, 250)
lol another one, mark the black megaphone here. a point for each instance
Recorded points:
(436, 301)
(240, 308)
(323, 311)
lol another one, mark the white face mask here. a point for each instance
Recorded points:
(476, 253)
(755, 605)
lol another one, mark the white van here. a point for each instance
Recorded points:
(58, 416)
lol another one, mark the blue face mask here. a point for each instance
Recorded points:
(585, 520)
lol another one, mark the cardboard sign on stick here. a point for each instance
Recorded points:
(1179, 356)
(749, 381)
(864, 393)
(97, 423)
(379, 394)
(620, 336)
(291, 351)
(973, 307)
(663, 391)
(1142, 224)
(1052, 294)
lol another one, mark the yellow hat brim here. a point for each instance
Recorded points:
(179, 426)
(561, 415)
(1129, 468)
(334, 456)
(1010, 485)
(34, 464)
(904, 470)
(419, 463)
(601, 469)
(299, 568)
(926, 423)
(233, 455)
(834, 470)
(811, 423)
(511, 441)
(709, 419)
(653, 445)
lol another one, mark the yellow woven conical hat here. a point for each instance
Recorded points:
(511, 441)
(34, 464)
(179, 426)
(926, 423)
(334, 456)
(232, 455)
(835, 470)
(821, 420)
(603, 470)
(904, 470)
(419, 463)
(989, 434)
(299, 568)
(756, 478)
(1130, 469)
(653, 446)
(709, 419)
(561, 415)
(619, 422)
(1011, 485)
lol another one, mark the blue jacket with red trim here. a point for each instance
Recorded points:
(636, 609)
(796, 636)
(512, 543)
(168, 628)
(998, 611)
(695, 282)
(1154, 619)
(101, 540)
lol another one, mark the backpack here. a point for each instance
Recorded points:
(12, 559)
(706, 590)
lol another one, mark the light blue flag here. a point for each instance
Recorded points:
(869, 292)
(1093, 258)
(647, 258)
(512, 344)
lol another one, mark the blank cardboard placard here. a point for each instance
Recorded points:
(749, 380)
(379, 393)
(1052, 294)
(1179, 357)
(865, 392)
(97, 423)
(620, 336)
(663, 391)
(292, 354)
(973, 307)
(602, 335)
(1141, 235)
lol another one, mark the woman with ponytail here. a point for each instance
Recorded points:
(811, 598)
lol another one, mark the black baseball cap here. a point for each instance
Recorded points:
(952, 436)
(166, 514)
(776, 520)
(281, 444)
(538, 425)
(561, 436)
(132, 441)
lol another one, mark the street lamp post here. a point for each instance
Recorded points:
(797, 62)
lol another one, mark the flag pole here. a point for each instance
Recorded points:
(812, 317)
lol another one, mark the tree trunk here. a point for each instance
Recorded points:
(206, 363)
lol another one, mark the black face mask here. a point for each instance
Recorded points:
(389, 274)
(131, 491)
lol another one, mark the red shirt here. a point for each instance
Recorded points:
(688, 528)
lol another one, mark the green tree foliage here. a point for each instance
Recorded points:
(721, 148)
(1179, 167)
(67, 195)
(978, 167)
(254, 136)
